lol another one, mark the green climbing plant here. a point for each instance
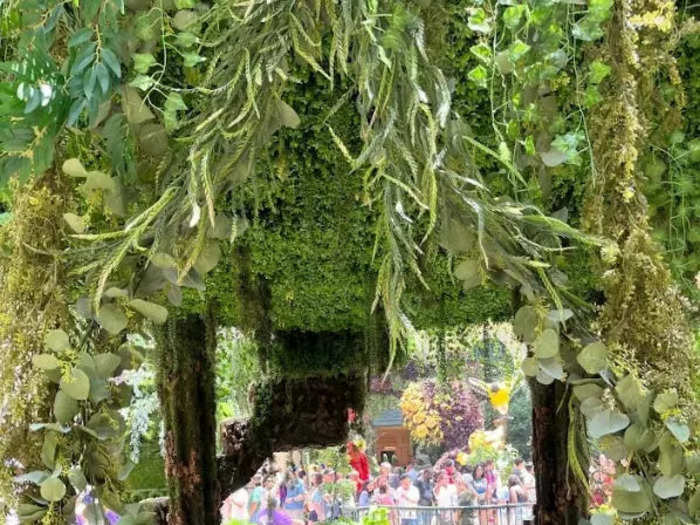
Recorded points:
(156, 114)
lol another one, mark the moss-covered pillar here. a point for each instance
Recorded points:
(289, 414)
(186, 389)
(561, 498)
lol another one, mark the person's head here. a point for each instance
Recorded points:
(427, 474)
(317, 479)
(385, 468)
(513, 480)
(529, 467)
(478, 471)
(269, 482)
(328, 476)
(301, 474)
(488, 466)
(257, 481)
(519, 463)
(405, 481)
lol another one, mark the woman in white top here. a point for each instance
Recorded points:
(236, 506)
(445, 496)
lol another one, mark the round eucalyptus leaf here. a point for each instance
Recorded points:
(36, 477)
(613, 447)
(638, 437)
(98, 390)
(602, 518)
(547, 344)
(29, 513)
(670, 460)
(56, 340)
(552, 366)
(52, 489)
(77, 479)
(45, 362)
(636, 502)
(630, 391)
(75, 222)
(111, 318)
(607, 422)
(587, 390)
(87, 364)
(525, 323)
(64, 408)
(74, 168)
(667, 487)
(591, 406)
(560, 316)
(679, 430)
(112, 292)
(530, 367)
(152, 311)
(627, 482)
(184, 19)
(208, 258)
(76, 385)
(106, 364)
(665, 401)
(163, 261)
(222, 227)
(48, 449)
(103, 426)
(544, 378)
(593, 358)
(469, 272)
(288, 117)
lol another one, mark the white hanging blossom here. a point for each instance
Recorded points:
(144, 403)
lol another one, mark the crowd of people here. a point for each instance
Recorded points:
(449, 494)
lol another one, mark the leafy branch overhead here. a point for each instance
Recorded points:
(158, 114)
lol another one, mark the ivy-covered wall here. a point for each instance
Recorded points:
(311, 231)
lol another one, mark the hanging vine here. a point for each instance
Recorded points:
(158, 111)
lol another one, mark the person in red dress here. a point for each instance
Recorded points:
(359, 463)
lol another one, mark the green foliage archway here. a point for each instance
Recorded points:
(155, 115)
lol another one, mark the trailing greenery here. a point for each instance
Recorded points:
(175, 126)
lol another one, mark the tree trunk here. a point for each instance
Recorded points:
(288, 414)
(561, 497)
(186, 389)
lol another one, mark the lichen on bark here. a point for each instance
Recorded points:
(32, 294)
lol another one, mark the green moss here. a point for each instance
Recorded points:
(310, 240)
(297, 353)
(149, 472)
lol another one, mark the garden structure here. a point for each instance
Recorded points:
(329, 175)
(393, 440)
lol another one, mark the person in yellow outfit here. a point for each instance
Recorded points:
(499, 396)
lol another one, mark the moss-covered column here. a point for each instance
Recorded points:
(186, 388)
(561, 498)
(289, 414)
